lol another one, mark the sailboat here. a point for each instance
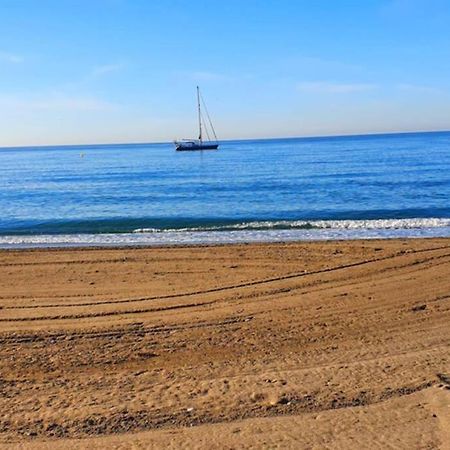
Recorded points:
(199, 144)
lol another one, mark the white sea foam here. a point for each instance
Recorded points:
(373, 224)
(317, 230)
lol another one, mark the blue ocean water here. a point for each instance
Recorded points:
(275, 189)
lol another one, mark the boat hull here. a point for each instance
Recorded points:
(195, 147)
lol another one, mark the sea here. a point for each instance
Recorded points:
(296, 189)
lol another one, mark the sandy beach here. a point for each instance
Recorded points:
(300, 345)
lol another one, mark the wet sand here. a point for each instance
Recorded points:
(301, 345)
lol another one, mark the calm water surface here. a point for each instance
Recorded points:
(282, 187)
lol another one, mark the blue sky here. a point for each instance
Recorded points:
(94, 71)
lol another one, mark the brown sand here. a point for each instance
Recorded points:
(306, 345)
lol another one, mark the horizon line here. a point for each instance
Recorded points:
(106, 144)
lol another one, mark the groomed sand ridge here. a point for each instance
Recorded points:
(304, 345)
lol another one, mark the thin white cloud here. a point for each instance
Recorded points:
(318, 63)
(419, 88)
(54, 102)
(333, 88)
(105, 69)
(10, 58)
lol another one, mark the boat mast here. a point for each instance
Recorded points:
(199, 116)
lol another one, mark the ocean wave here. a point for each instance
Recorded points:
(371, 224)
(343, 230)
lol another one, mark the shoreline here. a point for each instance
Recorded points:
(193, 238)
(211, 245)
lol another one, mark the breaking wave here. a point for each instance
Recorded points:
(373, 224)
(273, 231)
